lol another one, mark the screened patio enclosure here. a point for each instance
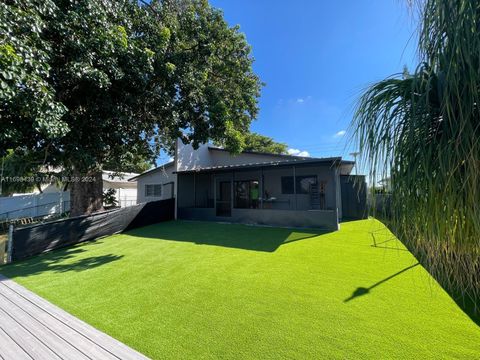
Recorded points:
(303, 194)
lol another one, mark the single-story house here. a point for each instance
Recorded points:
(125, 191)
(209, 183)
(53, 200)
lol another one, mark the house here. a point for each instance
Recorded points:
(53, 200)
(258, 188)
(156, 184)
(125, 191)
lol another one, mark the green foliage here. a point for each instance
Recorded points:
(424, 129)
(252, 141)
(28, 101)
(246, 292)
(130, 161)
(84, 82)
(19, 172)
(261, 143)
(109, 198)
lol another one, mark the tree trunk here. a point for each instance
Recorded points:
(86, 193)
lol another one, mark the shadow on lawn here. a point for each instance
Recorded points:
(364, 291)
(54, 261)
(237, 236)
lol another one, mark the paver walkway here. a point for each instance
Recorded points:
(33, 328)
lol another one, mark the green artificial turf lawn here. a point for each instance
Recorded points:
(206, 290)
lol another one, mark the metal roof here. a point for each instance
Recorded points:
(152, 170)
(283, 161)
(288, 156)
(331, 160)
(117, 177)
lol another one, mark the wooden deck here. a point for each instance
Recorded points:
(33, 328)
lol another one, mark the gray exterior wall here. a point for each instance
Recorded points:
(354, 197)
(196, 193)
(163, 176)
(291, 210)
(322, 219)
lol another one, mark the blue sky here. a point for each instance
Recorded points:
(315, 58)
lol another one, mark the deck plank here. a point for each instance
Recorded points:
(9, 349)
(89, 348)
(24, 338)
(48, 334)
(65, 331)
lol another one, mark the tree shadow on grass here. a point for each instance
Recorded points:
(360, 291)
(58, 261)
(255, 238)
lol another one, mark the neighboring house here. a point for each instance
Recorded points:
(156, 184)
(211, 184)
(34, 205)
(53, 200)
(125, 191)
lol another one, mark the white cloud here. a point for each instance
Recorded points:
(297, 152)
(303, 100)
(340, 133)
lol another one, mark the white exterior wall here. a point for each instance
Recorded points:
(126, 197)
(125, 192)
(163, 176)
(187, 158)
(34, 205)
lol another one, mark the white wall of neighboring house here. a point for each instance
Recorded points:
(34, 205)
(126, 197)
(164, 176)
(38, 204)
(125, 191)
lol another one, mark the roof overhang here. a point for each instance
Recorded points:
(281, 156)
(271, 164)
(152, 170)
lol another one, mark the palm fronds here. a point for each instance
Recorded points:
(424, 130)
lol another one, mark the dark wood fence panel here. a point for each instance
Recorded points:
(354, 197)
(36, 239)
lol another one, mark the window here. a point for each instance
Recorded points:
(153, 190)
(303, 184)
(246, 194)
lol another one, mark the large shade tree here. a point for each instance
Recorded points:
(424, 129)
(260, 143)
(94, 82)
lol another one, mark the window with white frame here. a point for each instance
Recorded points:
(153, 190)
